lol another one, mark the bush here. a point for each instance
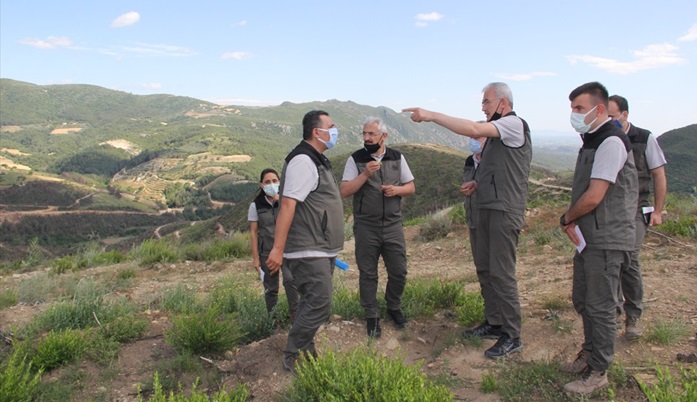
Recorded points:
(59, 348)
(436, 227)
(180, 299)
(153, 251)
(238, 394)
(362, 375)
(18, 380)
(470, 309)
(8, 297)
(205, 332)
(458, 214)
(668, 388)
(249, 307)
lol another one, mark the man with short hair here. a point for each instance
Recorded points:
(650, 163)
(309, 231)
(603, 200)
(502, 190)
(378, 177)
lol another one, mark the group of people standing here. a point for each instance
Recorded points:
(609, 213)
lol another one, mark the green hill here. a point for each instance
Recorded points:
(680, 147)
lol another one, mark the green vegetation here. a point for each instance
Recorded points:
(669, 388)
(362, 375)
(238, 394)
(59, 348)
(204, 332)
(18, 380)
(666, 332)
(678, 146)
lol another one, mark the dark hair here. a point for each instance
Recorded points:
(265, 172)
(311, 121)
(596, 90)
(621, 102)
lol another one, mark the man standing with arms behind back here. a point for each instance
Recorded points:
(309, 231)
(603, 203)
(502, 190)
(378, 177)
(650, 162)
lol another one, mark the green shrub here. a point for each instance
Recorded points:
(470, 309)
(18, 379)
(458, 214)
(59, 348)
(125, 328)
(531, 381)
(155, 251)
(84, 310)
(666, 332)
(249, 307)
(685, 226)
(436, 227)
(488, 384)
(109, 258)
(669, 388)
(424, 297)
(205, 332)
(8, 298)
(362, 375)
(346, 302)
(62, 265)
(180, 299)
(238, 394)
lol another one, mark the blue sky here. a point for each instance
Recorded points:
(433, 54)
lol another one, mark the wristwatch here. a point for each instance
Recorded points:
(562, 220)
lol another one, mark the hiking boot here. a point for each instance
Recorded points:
(373, 327)
(398, 318)
(578, 364)
(504, 346)
(289, 364)
(484, 331)
(589, 382)
(633, 329)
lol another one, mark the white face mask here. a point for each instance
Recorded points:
(578, 121)
(271, 189)
(333, 136)
(475, 146)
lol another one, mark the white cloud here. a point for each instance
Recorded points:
(524, 76)
(423, 19)
(650, 57)
(51, 42)
(125, 20)
(236, 55)
(149, 49)
(239, 23)
(152, 85)
(690, 35)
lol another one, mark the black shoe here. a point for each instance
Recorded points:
(398, 318)
(289, 364)
(373, 327)
(504, 346)
(484, 331)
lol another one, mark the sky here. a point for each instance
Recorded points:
(432, 54)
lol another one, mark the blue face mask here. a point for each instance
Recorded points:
(617, 123)
(475, 146)
(271, 189)
(333, 136)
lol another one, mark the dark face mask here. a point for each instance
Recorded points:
(496, 114)
(371, 148)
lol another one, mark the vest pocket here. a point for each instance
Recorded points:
(493, 183)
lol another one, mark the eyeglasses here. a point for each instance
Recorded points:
(371, 134)
(487, 102)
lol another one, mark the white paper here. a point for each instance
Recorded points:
(261, 274)
(646, 210)
(582, 241)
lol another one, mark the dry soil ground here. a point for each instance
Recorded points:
(544, 273)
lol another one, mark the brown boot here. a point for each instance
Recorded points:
(578, 364)
(633, 329)
(589, 382)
